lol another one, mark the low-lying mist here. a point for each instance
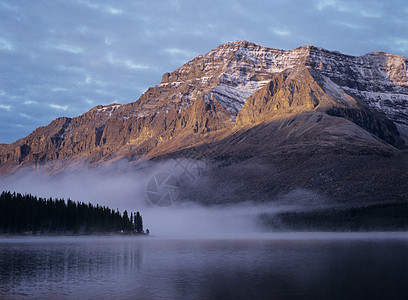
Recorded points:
(142, 187)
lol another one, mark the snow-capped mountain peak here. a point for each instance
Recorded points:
(237, 83)
(235, 70)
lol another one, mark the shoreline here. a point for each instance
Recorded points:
(261, 236)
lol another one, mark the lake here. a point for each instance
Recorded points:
(262, 266)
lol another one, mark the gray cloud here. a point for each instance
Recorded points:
(64, 57)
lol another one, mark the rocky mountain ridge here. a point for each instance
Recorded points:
(226, 92)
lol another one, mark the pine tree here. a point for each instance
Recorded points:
(132, 222)
(139, 223)
(125, 224)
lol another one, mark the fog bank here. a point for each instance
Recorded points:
(125, 187)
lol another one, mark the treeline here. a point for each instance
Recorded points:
(376, 217)
(21, 214)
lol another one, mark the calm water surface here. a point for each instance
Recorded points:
(276, 266)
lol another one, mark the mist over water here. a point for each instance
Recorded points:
(124, 187)
(192, 220)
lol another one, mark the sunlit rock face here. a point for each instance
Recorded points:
(235, 87)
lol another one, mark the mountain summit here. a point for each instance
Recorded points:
(238, 103)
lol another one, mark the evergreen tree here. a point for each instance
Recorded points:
(125, 221)
(132, 222)
(139, 223)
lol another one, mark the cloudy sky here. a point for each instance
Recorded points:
(63, 57)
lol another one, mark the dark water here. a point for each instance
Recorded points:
(282, 266)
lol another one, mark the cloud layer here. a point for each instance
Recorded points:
(60, 58)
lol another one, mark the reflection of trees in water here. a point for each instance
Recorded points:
(25, 265)
(322, 268)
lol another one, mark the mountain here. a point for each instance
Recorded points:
(306, 118)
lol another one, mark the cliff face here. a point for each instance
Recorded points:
(234, 87)
(377, 79)
(298, 91)
(288, 92)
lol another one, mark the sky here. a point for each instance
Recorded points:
(63, 57)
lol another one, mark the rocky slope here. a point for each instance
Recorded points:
(238, 103)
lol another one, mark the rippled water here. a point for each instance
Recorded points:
(280, 266)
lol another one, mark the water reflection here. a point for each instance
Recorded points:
(153, 268)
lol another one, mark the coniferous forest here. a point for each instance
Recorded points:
(391, 216)
(26, 214)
